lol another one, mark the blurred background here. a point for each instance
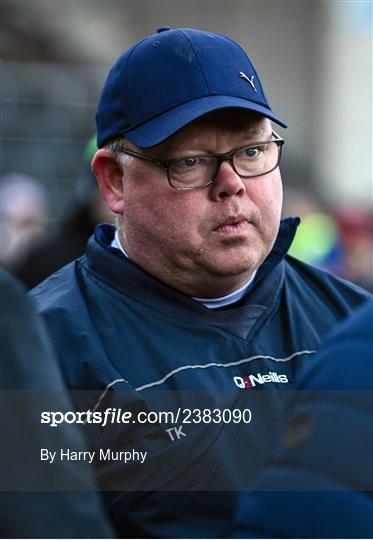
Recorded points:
(314, 59)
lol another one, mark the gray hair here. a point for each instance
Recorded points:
(114, 146)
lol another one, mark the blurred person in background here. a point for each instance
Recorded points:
(69, 241)
(317, 240)
(24, 218)
(339, 241)
(189, 303)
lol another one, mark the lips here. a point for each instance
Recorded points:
(232, 224)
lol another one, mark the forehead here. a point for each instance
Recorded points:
(233, 126)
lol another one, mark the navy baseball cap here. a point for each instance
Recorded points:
(172, 77)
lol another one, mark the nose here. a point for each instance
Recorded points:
(227, 183)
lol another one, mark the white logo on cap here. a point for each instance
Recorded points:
(251, 81)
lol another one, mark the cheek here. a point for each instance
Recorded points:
(160, 215)
(275, 196)
(268, 199)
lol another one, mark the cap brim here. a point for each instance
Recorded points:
(167, 124)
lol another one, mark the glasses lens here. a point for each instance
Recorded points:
(192, 171)
(196, 171)
(256, 160)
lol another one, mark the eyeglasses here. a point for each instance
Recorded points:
(191, 172)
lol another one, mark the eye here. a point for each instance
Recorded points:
(189, 161)
(186, 164)
(252, 151)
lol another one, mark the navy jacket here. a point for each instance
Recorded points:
(126, 340)
(319, 482)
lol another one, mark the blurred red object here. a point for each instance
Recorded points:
(356, 232)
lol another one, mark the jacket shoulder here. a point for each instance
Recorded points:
(59, 289)
(307, 281)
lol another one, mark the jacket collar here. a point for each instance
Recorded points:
(112, 267)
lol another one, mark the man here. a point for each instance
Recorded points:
(190, 305)
(37, 502)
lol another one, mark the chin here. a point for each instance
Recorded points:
(230, 268)
(233, 260)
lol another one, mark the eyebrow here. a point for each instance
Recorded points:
(258, 131)
(250, 136)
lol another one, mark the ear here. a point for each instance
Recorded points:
(109, 176)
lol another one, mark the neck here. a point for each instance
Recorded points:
(203, 289)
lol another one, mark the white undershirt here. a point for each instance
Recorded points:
(211, 303)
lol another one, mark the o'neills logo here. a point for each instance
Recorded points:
(252, 380)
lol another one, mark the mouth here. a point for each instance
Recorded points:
(232, 225)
